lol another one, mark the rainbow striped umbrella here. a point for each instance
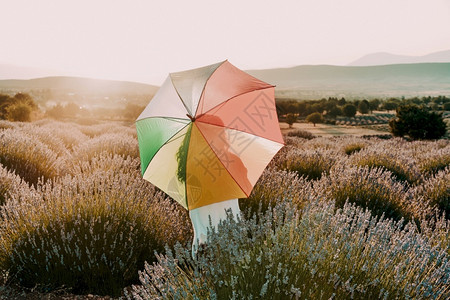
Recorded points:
(208, 134)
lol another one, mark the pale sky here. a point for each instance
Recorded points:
(145, 40)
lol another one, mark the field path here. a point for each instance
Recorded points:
(326, 130)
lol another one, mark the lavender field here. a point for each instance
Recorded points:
(339, 217)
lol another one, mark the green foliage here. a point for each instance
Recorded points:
(417, 123)
(59, 111)
(390, 105)
(90, 233)
(56, 112)
(334, 112)
(315, 118)
(363, 107)
(349, 110)
(291, 119)
(315, 254)
(374, 104)
(20, 112)
(17, 108)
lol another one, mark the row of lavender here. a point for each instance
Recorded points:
(339, 217)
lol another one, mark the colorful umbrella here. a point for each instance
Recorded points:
(208, 134)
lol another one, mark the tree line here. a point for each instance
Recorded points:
(333, 107)
(22, 107)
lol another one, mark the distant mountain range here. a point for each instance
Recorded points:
(383, 58)
(315, 82)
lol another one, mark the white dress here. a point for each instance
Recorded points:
(200, 219)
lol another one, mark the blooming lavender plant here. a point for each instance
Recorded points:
(12, 186)
(317, 253)
(27, 157)
(89, 232)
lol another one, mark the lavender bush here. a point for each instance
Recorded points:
(327, 219)
(369, 188)
(311, 164)
(89, 232)
(400, 167)
(435, 192)
(69, 133)
(27, 157)
(318, 253)
(12, 186)
(274, 185)
(106, 143)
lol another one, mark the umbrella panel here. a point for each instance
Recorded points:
(244, 155)
(166, 103)
(253, 112)
(153, 133)
(164, 169)
(226, 83)
(207, 179)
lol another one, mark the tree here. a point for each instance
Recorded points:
(374, 104)
(25, 98)
(17, 108)
(5, 101)
(290, 119)
(56, 112)
(349, 110)
(363, 107)
(318, 107)
(314, 118)
(19, 112)
(71, 110)
(335, 111)
(390, 105)
(418, 123)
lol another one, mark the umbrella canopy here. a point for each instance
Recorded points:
(208, 134)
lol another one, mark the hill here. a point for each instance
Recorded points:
(79, 85)
(383, 58)
(313, 82)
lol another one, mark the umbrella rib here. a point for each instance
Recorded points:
(234, 179)
(167, 142)
(204, 87)
(238, 130)
(175, 119)
(224, 102)
(181, 99)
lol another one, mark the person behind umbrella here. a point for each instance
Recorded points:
(209, 215)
